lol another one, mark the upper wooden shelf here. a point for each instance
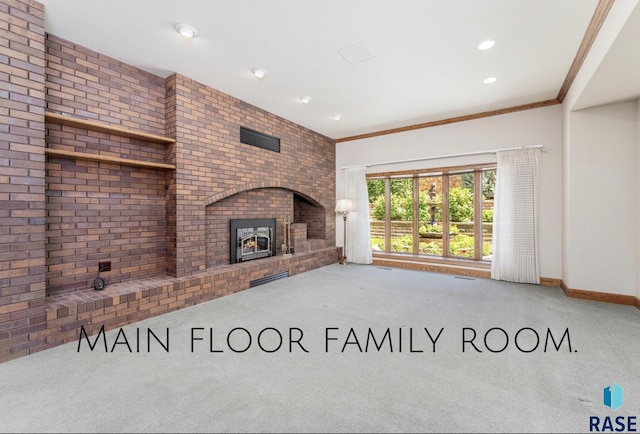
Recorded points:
(56, 118)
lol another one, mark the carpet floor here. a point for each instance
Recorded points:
(342, 349)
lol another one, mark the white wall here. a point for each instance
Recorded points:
(605, 139)
(638, 203)
(539, 126)
(566, 197)
(601, 197)
(615, 21)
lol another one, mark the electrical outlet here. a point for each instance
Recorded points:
(104, 266)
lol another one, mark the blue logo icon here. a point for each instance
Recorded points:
(613, 396)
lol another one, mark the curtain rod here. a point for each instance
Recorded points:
(463, 154)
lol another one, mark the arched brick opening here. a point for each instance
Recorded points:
(296, 188)
(264, 200)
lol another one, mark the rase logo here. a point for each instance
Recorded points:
(613, 398)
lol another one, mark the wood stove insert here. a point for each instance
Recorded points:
(252, 239)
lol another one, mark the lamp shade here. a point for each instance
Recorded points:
(343, 205)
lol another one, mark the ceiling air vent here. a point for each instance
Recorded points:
(254, 138)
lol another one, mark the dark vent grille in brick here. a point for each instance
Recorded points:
(254, 138)
(263, 280)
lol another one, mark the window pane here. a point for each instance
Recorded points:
(488, 188)
(401, 215)
(376, 213)
(461, 218)
(430, 224)
(453, 216)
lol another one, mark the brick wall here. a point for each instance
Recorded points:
(22, 182)
(211, 160)
(90, 85)
(208, 155)
(171, 181)
(100, 211)
(147, 222)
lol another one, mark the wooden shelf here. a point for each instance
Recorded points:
(95, 157)
(70, 121)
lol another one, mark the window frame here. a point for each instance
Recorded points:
(444, 172)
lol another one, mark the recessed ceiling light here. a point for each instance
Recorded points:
(259, 72)
(186, 30)
(336, 117)
(486, 45)
(490, 80)
(306, 99)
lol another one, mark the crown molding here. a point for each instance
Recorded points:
(463, 118)
(599, 15)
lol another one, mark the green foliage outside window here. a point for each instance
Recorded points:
(461, 209)
(401, 202)
(401, 207)
(460, 204)
(376, 189)
(437, 229)
(460, 246)
(487, 215)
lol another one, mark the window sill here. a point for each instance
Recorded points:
(439, 265)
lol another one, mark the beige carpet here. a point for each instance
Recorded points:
(338, 385)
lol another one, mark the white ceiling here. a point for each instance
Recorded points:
(426, 68)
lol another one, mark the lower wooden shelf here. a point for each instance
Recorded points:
(95, 157)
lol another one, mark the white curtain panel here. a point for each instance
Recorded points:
(358, 231)
(515, 223)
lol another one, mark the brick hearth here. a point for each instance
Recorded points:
(126, 303)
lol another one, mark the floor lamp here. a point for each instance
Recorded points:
(343, 206)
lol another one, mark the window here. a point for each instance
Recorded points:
(446, 213)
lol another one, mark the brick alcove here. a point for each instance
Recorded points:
(269, 202)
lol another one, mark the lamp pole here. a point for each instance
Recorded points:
(344, 206)
(344, 242)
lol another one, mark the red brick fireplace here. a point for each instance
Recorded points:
(273, 201)
(103, 162)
